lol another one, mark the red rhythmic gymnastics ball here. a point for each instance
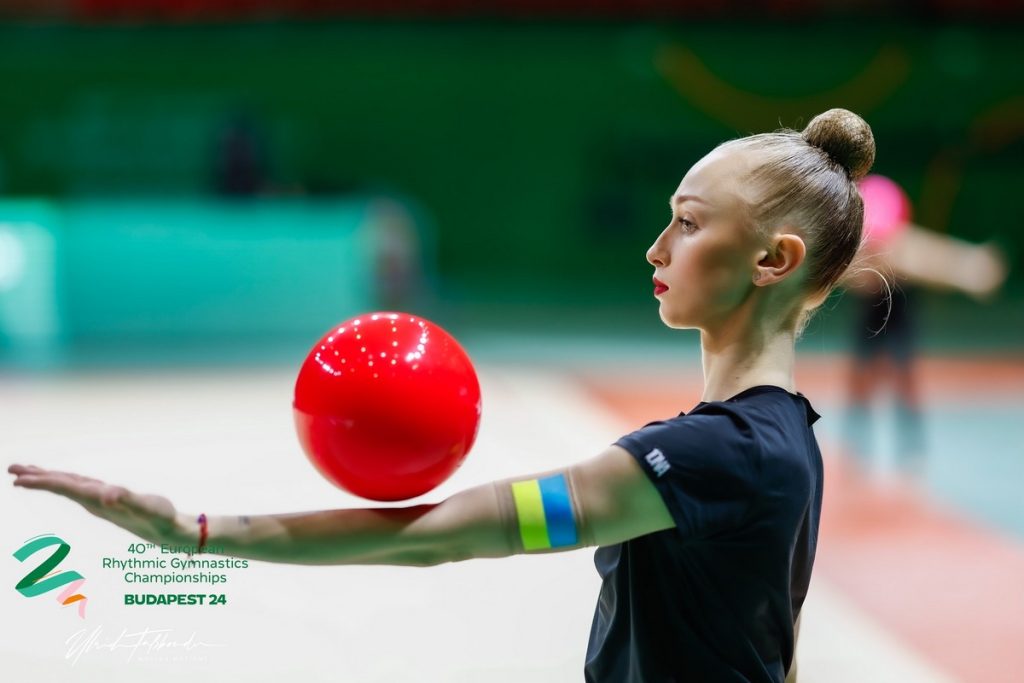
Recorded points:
(387, 405)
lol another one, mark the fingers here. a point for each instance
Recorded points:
(32, 469)
(36, 480)
(92, 494)
(23, 469)
(87, 492)
(54, 483)
(29, 481)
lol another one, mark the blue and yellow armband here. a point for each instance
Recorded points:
(544, 512)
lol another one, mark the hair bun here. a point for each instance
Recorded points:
(846, 138)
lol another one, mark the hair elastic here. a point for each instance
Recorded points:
(203, 531)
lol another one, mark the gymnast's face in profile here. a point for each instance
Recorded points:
(705, 258)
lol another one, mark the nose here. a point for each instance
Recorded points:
(657, 256)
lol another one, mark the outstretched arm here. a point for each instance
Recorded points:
(943, 262)
(605, 500)
(932, 260)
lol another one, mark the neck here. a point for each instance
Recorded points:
(739, 356)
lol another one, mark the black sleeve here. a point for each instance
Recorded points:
(705, 466)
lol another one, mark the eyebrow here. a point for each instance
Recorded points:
(685, 197)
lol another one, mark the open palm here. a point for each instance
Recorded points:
(148, 516)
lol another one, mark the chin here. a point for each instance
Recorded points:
(675, 321)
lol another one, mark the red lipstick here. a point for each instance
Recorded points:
(659, 287)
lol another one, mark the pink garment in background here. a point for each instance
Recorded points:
(886, 208)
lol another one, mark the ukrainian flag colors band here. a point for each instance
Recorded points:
(545, 513)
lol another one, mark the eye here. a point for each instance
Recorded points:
(687, 225)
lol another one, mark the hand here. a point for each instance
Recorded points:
(148, 516)
(986, 272)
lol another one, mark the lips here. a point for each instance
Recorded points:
(659, 287)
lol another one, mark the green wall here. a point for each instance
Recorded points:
(545, 153)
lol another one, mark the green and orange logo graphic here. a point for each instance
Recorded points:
(43, 579)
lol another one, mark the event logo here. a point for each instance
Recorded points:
(43, 579)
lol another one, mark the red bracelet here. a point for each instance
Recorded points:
(202, 532)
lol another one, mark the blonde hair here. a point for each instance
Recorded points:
(807, 180)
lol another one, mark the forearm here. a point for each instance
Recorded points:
(344, 536)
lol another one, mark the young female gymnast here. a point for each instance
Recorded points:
(705, 523)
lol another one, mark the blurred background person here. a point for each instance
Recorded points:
(241, 167)
(897, 259)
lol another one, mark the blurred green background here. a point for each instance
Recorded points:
(532, 161)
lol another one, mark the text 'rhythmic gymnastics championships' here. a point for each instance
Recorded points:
(175, 563)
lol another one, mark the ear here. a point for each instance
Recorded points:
(783, 256)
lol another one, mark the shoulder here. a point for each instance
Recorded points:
(714, 443)
(727, 434)
(711, 425)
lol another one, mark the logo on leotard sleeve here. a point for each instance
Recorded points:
(657, 461)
